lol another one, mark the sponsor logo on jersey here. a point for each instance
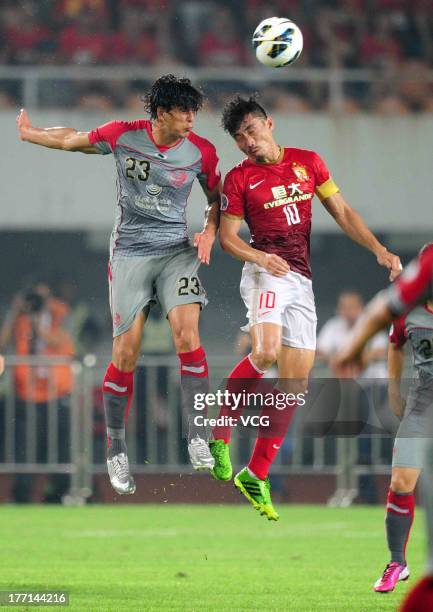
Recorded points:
(224, 202)
(300, 172)
(154, 190)
(178, 178)
(283, 197)
(152, 203)
(254, 185)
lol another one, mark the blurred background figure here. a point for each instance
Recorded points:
(371, 399)
(35, 326)
(337, 330)
(390, 39)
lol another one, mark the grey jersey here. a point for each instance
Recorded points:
(153, 185)
(417, 327)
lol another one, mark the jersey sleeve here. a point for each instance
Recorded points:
(104, 138)
(413, 287)
(325, 186)
(232, 199)
(397, 332)
(209, 175)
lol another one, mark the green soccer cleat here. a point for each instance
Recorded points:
(220, 451)
(258, 492)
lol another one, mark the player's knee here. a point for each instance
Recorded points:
(264, 358)
(125, 358)
(185, 339)
(402, 483)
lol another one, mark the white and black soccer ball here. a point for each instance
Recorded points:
(277, 42)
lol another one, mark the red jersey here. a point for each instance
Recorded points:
(275, 201)
(414, 286)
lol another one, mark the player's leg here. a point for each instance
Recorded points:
(407, 462)
(421, 596)
(118, 391)
(244, 378)
(294, 366)
(295, 360)
(400, 508)
(182, 296)
(264, 298)
(130, 282)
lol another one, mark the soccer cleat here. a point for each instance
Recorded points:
(392, 574)
(200, 455)
(257, 492)
(420, 598)
(220, 451)
(120, 476)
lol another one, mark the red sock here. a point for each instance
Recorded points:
(243, 378)
(400, 511)
(271, 437)
(194, 363)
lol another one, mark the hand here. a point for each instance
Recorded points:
(274, 264)
(204, 242)
(390, 261)
(23, 123)
(347, 364)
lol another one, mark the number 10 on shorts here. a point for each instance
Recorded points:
(267, 300)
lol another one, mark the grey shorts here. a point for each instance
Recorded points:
(135, 282)
(415, 429)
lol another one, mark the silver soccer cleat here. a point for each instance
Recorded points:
(200, 455)
(120, 476)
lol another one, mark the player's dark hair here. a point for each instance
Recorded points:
(236, 109)
(170, 92)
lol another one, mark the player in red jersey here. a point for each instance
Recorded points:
(414, 287)
(272, 190)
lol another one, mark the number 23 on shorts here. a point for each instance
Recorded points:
(188, 285)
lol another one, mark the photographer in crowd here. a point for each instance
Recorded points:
(34, 326)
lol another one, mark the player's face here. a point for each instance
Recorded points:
(350, 307)
(178, 122)
(255, 138)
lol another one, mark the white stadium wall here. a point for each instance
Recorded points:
(383, 166)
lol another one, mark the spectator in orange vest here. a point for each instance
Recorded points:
(34, 327)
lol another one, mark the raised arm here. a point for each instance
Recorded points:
(65, 139)
(233, 244)
(204, 240)
(354, 226)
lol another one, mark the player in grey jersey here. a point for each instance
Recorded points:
(409, 447)
(151, 257)
(414, 287)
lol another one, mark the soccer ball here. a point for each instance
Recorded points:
(277, 42)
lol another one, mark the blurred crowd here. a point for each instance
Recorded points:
(393, 38)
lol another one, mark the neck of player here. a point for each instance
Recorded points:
(273, 156)
(163, 136)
